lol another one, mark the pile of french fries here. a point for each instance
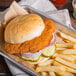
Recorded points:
(63, 62)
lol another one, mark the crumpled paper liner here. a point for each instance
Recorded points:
(14, 11)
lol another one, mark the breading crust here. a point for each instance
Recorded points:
(35, 44)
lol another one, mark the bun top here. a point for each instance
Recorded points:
(23, 28)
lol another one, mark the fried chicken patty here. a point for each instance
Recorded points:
(35, 44)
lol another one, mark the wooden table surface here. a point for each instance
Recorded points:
(4, 71)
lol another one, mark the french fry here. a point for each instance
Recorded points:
(44, 74)
(74, 46)
(65, 45)
(46, 63)
(68, 74)
(67, 41)
(65, 74)
(68, 37)
(69, 64)
(60, 73)
(74, 56)
(52, 74)
(60, 49)
(66, 57)
(69, 51)
(68, 69)
(50, 68)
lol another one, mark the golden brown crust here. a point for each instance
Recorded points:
(35, 44)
